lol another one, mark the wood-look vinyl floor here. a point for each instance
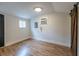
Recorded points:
(35, 48)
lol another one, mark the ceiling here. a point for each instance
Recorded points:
(26, 9)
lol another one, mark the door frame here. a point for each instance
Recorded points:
(76, 38)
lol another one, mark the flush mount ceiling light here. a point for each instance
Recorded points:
(38, 9)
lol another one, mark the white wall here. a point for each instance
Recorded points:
(56, 31)
(13, 33)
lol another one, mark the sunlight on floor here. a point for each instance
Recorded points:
(23, 51)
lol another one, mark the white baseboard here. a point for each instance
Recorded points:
(13, 42)
(58, 43)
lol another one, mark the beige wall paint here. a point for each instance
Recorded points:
(57, 30)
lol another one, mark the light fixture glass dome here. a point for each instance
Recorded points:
(38, 9)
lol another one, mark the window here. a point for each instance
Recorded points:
(22, 24)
